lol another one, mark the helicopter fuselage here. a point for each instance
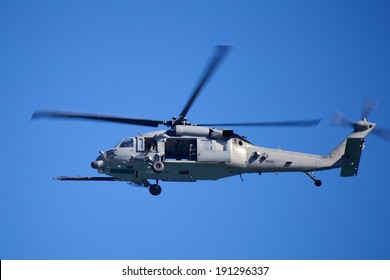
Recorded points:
(188, 154)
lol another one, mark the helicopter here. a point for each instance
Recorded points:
(187, 152)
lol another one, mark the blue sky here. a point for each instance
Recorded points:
(290, 60)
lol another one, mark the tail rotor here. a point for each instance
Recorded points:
(369, 105)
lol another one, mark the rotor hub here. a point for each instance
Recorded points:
(362, 125)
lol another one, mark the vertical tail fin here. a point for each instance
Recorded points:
(352, 153)
(347, 154)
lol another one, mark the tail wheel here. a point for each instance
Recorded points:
(158, 166)
(318, 183)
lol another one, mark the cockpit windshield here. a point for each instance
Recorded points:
(127, 143)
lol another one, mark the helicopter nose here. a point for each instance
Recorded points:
(96, 164)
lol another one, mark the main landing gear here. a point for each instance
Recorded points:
(154, 189)
(317, 182)
(158, 167)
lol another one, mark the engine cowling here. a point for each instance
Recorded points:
(201, 131)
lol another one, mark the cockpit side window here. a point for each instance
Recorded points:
(127, 143)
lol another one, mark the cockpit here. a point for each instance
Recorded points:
(126, 143)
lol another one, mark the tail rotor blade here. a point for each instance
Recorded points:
(382, 133)
(339, 118)
(368, 106)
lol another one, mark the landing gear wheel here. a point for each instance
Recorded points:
(318, 183)
(155, 189)
(158, 166)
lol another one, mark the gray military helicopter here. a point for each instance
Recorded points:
(187, 152)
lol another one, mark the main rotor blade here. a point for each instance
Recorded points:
(279, 123)
(221, 52)
(106, 118)
(80, 178)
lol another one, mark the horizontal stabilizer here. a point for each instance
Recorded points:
(353, 151)
(80, 178)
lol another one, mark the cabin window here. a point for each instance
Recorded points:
(127, 143)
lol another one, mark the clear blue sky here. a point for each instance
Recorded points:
(290, 60)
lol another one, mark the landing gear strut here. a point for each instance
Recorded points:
(317, 182)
